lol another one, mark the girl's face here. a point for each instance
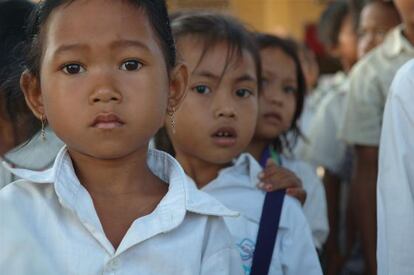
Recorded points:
(217, 118)
(375, 21)
(103, 80)
(277, 103)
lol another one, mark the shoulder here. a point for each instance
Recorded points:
(5, 176)
(404, 80)
(301, 168)
(292, 216)
(23, 193)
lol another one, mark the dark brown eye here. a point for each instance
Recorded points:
(73, 69)
(131, 65)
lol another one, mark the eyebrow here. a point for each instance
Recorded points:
(207, 74)
(123, 43)
(126, 43)
(71, 47)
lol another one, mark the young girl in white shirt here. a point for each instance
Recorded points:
(280, 107)
(103, 75)
(216, 122)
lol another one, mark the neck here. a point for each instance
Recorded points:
(409, 33)
(202, 172)
(256, 148)
(115, 177)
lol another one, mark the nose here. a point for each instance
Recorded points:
(105, 91)
(274, 96)
(226, 112)
(224, 105)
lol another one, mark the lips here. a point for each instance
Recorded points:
(273, 118)
(224, 137)
(107, 121)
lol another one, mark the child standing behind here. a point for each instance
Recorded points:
(280, 107)
(104, 84)
(215, 124)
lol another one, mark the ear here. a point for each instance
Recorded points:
(178, 86)
(31, 89)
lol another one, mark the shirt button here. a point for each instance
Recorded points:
(114, 264)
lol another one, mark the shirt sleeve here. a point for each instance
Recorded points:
(324, 148)
(315, 208)
(362, 119)
(297, 253)
(395, 191)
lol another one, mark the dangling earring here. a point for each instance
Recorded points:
(171, 114)
(43, 131)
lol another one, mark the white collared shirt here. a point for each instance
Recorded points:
(395, 190)
(48, 225)
(37, 154)
(370, 80)
(315, 208)
(294, 251)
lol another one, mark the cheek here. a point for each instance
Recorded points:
(249, 115)
(290, 110)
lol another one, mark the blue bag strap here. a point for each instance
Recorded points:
(269, 223)
(266, 238)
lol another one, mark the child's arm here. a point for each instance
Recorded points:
(274, 178)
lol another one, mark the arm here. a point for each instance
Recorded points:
(332, 187)
(364, 184)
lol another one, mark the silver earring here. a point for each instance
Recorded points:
(43, 131)
(171, 114)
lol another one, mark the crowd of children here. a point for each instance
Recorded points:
(140, 142)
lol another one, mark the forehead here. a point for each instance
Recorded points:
(377, 13)
(216, 59)
(98, 22)
(277, 61)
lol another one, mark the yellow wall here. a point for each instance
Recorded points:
(278, 16)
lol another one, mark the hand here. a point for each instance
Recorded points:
(274, 178)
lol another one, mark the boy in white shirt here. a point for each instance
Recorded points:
(370, 80)
(396, 178)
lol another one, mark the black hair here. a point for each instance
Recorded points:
(156, 10)
(289, 47)
(214, 28)
(13, 16)
(331, 22)
(211, 29)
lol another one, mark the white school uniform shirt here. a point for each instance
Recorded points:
(370, 81)
(395, 189)
(294, 252)
(48, 225)
(315, 207)
(37, 154)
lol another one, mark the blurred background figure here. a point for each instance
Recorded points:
(14, 115)
(376, 20)
(17, 123)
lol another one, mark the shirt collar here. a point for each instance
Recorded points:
(246, 162)
(181, 192)
(396, 43)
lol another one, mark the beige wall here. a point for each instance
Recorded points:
(276, 16)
